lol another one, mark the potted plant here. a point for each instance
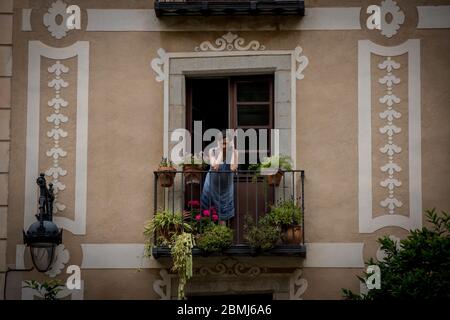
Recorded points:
(166, 173)
(215, 238)
(273, 167)
(261, 236)
(47, 290)
(169, 229)
(201, 219)
(288, 216)
(162, 227)
(192, 167)
(181, 251)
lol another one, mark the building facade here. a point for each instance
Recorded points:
(358, 91)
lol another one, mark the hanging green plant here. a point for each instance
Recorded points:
(162, 227)
(182, 260)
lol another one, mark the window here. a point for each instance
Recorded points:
(238, 102)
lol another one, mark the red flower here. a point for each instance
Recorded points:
(213, 210)
(193, 203)
(206, 213)
(198, 217)
(215, 217)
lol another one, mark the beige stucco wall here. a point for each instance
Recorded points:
(6, 25)
(125, 135)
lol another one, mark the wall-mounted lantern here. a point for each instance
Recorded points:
(43, 235)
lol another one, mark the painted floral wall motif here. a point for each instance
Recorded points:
(390, 129)
(57, 133)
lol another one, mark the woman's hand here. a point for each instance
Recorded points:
(234, 161)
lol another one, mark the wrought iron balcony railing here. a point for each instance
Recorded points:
(254, 196)
(229, 7)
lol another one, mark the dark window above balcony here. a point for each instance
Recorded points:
(230, 7)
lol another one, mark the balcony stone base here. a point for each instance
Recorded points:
(227, 276)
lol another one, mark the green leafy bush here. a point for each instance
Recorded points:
(215, 238)
(286, 213)
(419, 269)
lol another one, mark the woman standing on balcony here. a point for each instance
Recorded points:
(218, 190)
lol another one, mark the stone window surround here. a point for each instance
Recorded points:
(280, 63)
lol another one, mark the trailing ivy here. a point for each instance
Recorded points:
(182, 259)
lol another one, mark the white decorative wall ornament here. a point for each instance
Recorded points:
(334, 255)
(158, 64)
(145, 20)
(36, 50)
(433, 17)
(230, 42)
(26, 20)
(368, 223)
(389, 29)
(390, 129)
(57, 118)
(62, 256)
(163, 286)
(231, 266)
(318, 18)
(302, 60)
(57, 9)
(378, 14)
(381, 254)
(297, 285)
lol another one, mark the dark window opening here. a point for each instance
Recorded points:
(237, 102)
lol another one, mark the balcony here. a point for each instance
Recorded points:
(255, 196)
(230, 7)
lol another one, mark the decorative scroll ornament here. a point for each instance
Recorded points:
(390, 129)
(377, 19)
(62, 256)
(381, 254)
(302, 61)
(230, 42)
(57, 9)
(232, 267)
(56, 133)
(158, 64)
(163, 286)
(297, 285)
(389, 29)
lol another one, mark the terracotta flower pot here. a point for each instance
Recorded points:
(275, 179)
(192, 173)
(166, 176)
(293, 235)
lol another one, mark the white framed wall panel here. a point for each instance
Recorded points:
(36, 50)
(367, 223)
